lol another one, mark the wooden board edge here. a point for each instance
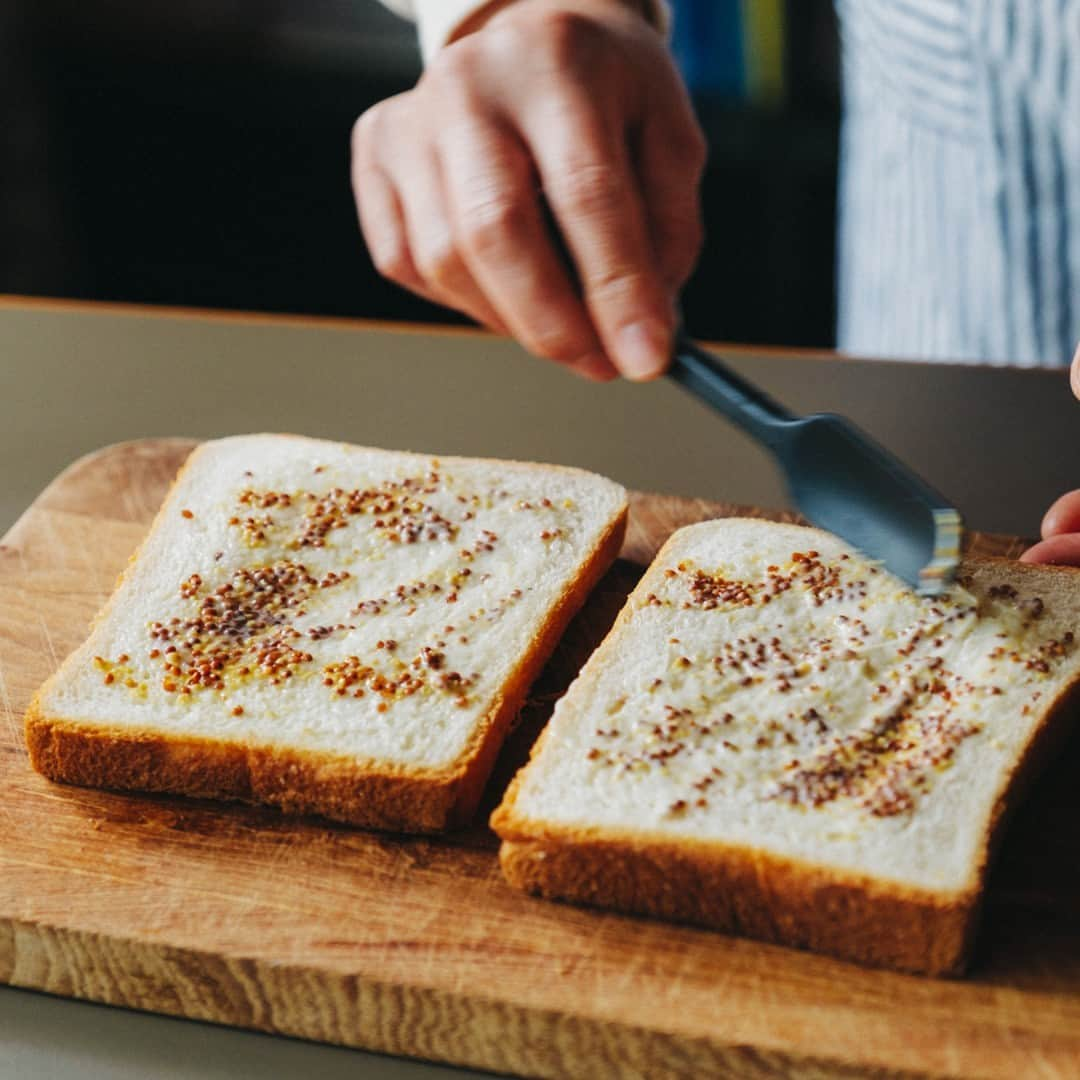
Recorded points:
(359, 1012)
(90, 461)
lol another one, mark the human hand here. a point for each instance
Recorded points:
(578, 104)
(1061, 526)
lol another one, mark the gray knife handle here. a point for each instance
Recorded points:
(708, 379)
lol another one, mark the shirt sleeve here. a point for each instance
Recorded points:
(437, 20)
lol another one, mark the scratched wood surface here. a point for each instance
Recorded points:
(416, 947)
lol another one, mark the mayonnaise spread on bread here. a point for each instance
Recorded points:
(802, 698)
(357, 602)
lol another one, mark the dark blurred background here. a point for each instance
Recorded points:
(197, 154)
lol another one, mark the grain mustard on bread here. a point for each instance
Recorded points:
(779, 739)
(329, 629)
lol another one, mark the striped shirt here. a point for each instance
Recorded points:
(959, 199)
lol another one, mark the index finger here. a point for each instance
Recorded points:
(497, 218)
(587, 179)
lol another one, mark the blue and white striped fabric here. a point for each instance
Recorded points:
(960, 180)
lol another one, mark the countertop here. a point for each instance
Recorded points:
(1003, 442)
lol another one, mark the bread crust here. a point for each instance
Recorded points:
(763, 895)
(751, 894)
(365, 793)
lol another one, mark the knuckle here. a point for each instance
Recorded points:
(363, 134)
(493, 223)
(455, 65)
(505, 38)
(615, 284)
(439, 262)
(566, 39)
(590, 189)
(375, 132)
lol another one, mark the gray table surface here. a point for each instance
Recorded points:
(1002, 442)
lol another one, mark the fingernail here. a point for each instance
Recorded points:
(643, 349)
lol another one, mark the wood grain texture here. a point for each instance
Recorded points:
(416, 946)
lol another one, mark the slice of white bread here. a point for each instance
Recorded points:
(329, 629)
(779, 739)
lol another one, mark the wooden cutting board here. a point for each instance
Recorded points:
(417, 947)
